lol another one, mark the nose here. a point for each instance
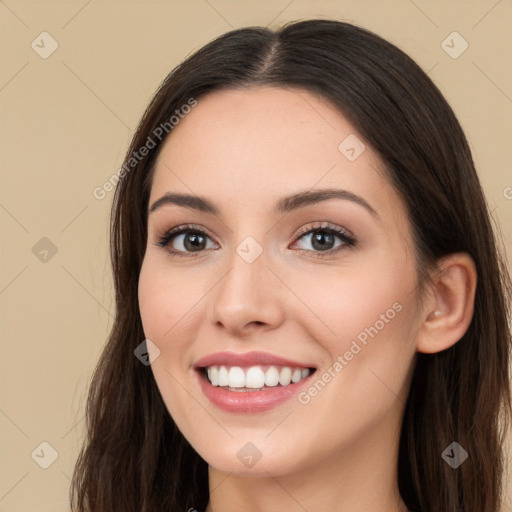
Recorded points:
(248, 297)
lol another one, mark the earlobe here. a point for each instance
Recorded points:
(451, 306)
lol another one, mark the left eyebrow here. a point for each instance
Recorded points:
(308, 197)
(286, 204)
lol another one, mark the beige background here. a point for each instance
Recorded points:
(66, 122)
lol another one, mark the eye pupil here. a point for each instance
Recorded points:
(319, 240)
(194, 241)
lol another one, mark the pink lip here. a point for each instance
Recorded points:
(248, 401)
(247, 359)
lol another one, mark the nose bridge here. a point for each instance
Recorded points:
(247, 292)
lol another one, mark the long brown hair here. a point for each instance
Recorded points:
(134, 458)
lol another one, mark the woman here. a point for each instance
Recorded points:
(311, 311)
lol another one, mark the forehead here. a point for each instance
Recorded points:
(255, 145)
(238, 122)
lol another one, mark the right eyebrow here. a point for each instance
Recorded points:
(186, 200)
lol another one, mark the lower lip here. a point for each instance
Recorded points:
(249, 401)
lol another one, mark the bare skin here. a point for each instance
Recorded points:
(335, 449)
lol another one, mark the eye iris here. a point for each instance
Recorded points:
(319, 240)
(194, 241)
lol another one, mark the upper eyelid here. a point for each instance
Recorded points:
(180, 228)
(328, 226)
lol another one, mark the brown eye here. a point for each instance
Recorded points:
(185, 241)
(322, 240)
(191, 241)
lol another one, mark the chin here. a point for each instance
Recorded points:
(248, 461)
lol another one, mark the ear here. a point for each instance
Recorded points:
(449, 309)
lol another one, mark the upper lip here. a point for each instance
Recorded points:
(247, 359)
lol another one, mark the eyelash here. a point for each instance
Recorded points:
(347, 240)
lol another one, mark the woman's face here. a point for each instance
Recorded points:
(273, 280)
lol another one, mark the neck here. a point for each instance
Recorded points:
(360, 477)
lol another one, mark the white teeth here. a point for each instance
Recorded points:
(213, 375)
(296, 375)
(255, 377)
(236, 377)
(285, 377)
(223, 377)
(272, 377)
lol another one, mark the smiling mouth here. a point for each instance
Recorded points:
(254, 378)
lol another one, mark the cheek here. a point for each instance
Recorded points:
(154, 304)
(167, 297)
(370, 356)
(352, 302)
(166, 300)
(366, 321)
